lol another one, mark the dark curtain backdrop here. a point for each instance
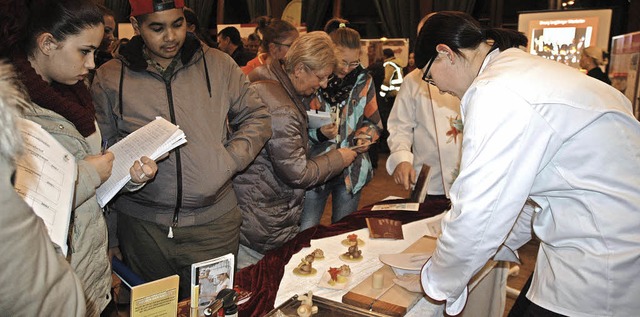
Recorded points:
(399, 18)
(454, 5)
(258, 8)
(313, 13)
(121, 9)
(203, 9)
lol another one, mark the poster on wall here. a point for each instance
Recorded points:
(623, 67)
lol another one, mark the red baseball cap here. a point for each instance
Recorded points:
(140, 7)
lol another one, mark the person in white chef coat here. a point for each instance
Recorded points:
(535, 130)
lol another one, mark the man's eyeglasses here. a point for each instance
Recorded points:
(282, 44)
(426, 77)
(344, 63)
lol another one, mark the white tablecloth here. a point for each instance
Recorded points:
(486, 297)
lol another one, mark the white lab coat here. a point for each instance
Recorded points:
(536, 128)
(420, 109)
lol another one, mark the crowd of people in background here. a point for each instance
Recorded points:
(496, 131)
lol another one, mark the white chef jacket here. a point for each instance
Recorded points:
(536, 128)
(418, 111)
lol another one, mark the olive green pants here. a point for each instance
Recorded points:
(148, 251)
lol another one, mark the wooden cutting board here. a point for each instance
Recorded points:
(391, 299)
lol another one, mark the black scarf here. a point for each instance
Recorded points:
(338, 90)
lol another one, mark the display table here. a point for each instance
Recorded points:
(488, 300)
(272, 282)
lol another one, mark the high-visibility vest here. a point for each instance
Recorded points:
(396, 79)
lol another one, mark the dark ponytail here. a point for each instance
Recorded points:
(459, 30)
(505, 38)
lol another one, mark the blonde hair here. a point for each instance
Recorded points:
(13, 100)
(314, 50)
(598, 55)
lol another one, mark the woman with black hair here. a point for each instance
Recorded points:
(52, 44)
(572, 152)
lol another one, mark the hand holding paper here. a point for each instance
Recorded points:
(153, 140)
(143, 170)
(330, 130)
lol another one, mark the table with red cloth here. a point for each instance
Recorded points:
(263, 278)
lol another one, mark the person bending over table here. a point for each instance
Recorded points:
(573, 151)
(271, 190)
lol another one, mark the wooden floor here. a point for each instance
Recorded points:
(383, 185)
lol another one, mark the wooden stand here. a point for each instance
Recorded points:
(391, 299)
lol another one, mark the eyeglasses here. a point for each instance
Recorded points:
(282, 44)
(427, 73)
(320, 79)
(344, 63)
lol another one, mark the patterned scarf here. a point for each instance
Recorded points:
(70, 101)
(338, 89)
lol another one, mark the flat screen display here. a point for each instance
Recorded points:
(561, 35)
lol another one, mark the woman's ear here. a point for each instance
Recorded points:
(46, 43)
(446, 52)
(272, 48)
(297, 71)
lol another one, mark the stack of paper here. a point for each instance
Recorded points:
(153, 140)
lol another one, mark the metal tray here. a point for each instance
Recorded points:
(326, 308)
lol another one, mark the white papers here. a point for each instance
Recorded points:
(45, 178)
(153, 140)
(318, 119)
(400, 206)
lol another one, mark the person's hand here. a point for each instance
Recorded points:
(404, 175)
(114, 251)
(410, 282)
(348, 156)
(363, 142)
(141, 173)
(330, 130)
(103, 163)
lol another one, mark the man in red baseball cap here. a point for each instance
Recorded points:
(142, 7)
(189, 213)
